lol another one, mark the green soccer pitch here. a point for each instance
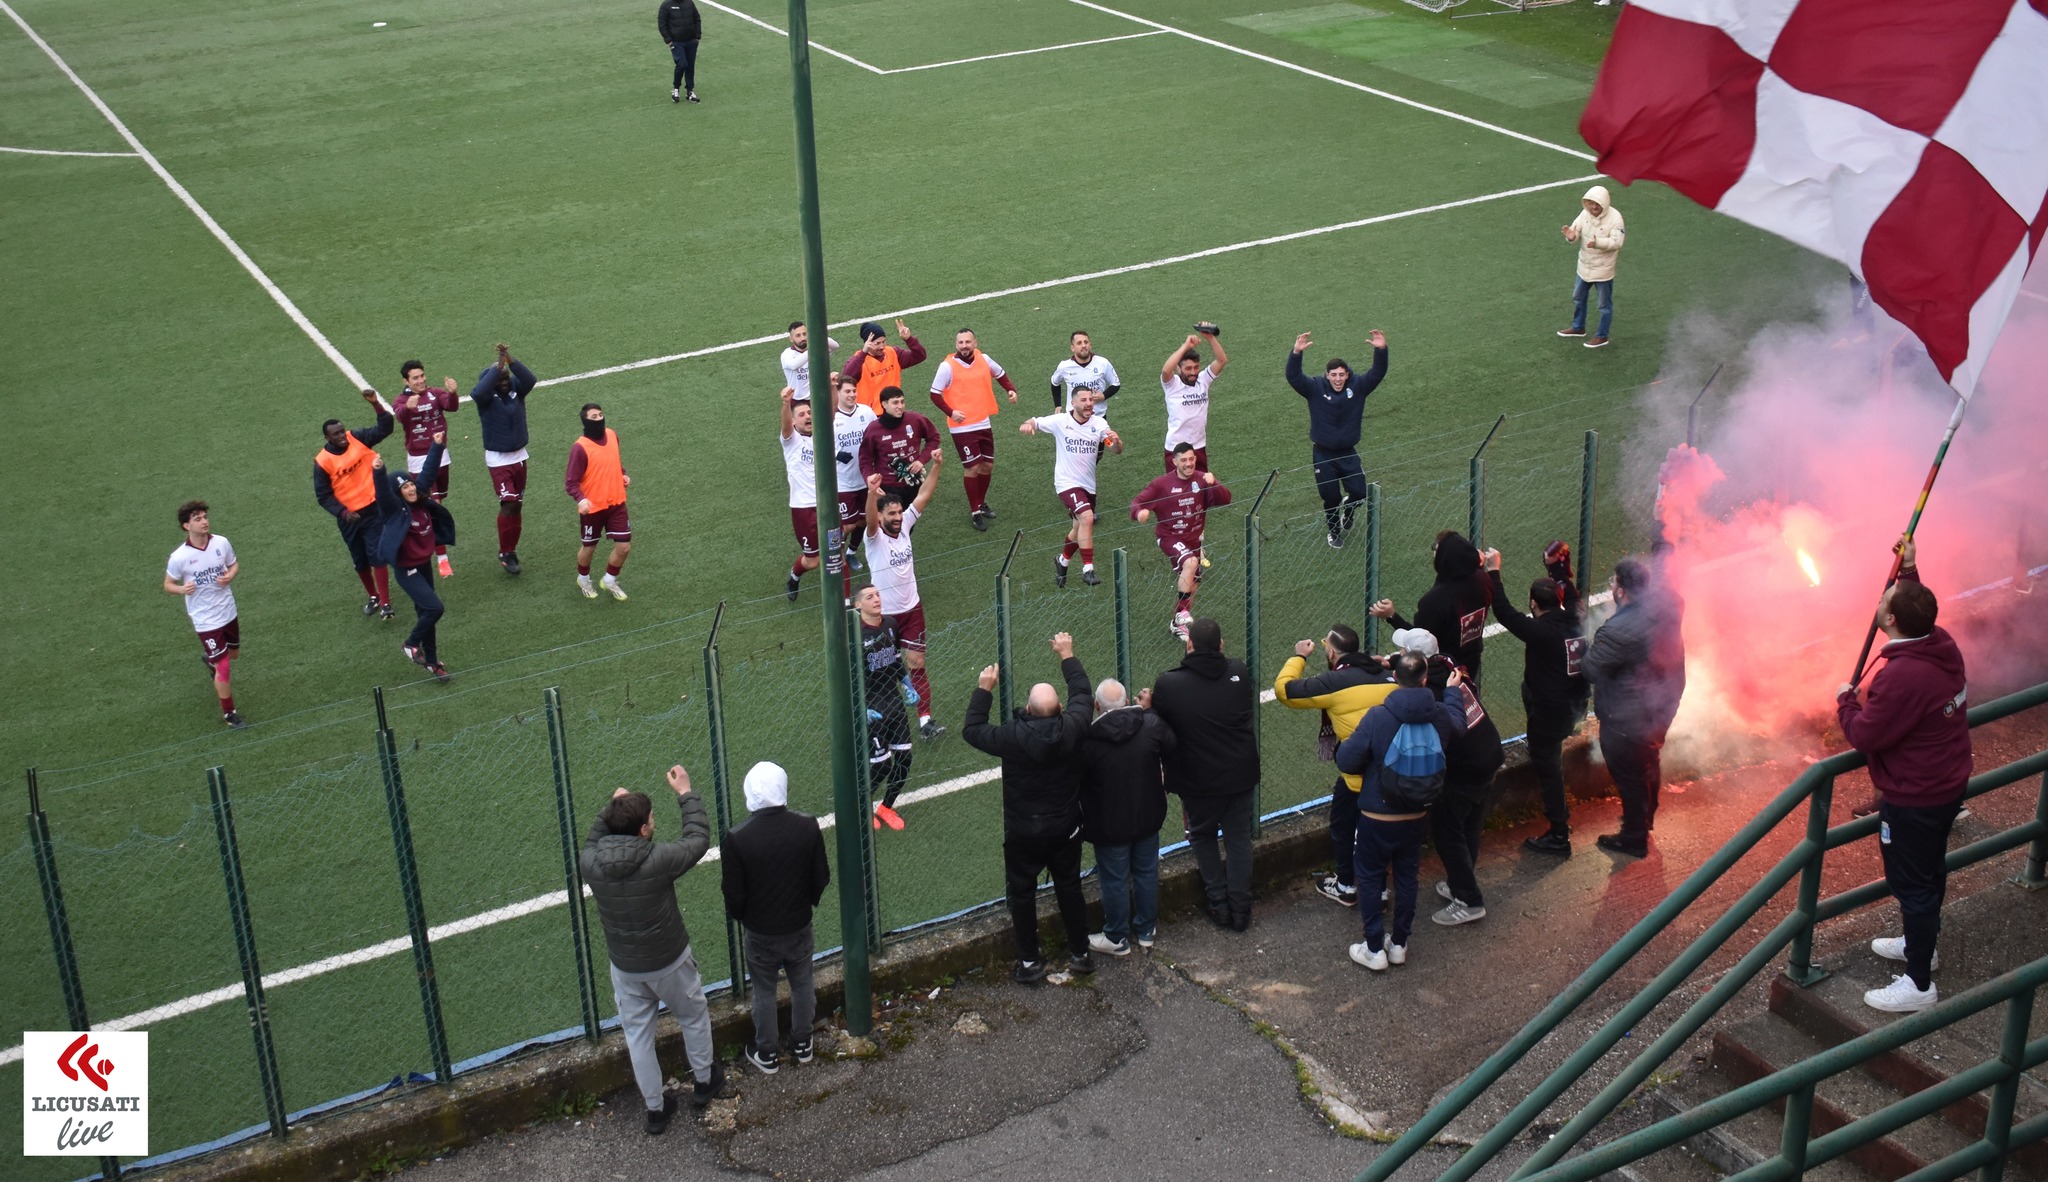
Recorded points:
(423, 180)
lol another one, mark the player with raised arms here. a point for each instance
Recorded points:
(1181, 501)
(849, 426)
(200, 570)
(500, 396)
(964, 391)
(799, 459)
(796, 360)
(891, 567)
(1185, 381)
(1081, 435)
(422, 412)
(343, 484)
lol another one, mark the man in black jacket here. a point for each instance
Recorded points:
(1553, 691)
(633, 880)
(1212, 703)
(1637, 663)
(1336, 404)
(1470, 765)
(1041, 804)
(773, 872)
(1454, 608)
(681, 27)
(500, 399)
(1123, 804)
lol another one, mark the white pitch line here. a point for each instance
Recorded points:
(206, 219)
(989, 57)
(1345, 82)
(54, 152)
(1085, 277)
(844, 57)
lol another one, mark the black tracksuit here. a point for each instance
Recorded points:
(1454, 608)
(1459, 818)
(1553, 694)
(1333, 425)
(1212, 705)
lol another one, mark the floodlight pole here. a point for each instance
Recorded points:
(847, 799)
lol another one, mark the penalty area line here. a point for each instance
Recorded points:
(844, 57)
(55, 152)
(1084, 277)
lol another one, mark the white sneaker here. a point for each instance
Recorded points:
(1397, 953)
(1894, 948)
(612, 585)
(1376, 961)
(1902, 996)
(1102, 943)
(1146, 941)
(1179, 627)
(583, 585)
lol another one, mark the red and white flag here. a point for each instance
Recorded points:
(1906, 138)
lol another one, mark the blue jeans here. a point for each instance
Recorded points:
(1385, 845)
(1606, 289)
(418, 584)
(1129, 872)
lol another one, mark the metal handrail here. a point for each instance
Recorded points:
(1813, 787)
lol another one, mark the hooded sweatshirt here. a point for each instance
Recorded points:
(1549, 687)
(1913, 725)
(1123, 794)
(1454, 608)
(1041, 778)
(633, 880)
(772, 868)
(1600, 237)
(1362, 754)
(1212, 703)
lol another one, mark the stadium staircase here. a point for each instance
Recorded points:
(1817, 1084)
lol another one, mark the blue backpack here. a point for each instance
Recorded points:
(1412, 774)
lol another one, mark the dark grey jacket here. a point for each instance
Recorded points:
(1637, 666)
(633, 880)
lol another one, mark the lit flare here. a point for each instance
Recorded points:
(1812, 571)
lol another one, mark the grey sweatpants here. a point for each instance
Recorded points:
(638, 996)
(767, 958)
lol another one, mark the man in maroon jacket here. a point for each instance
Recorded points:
(898, 446)
(1912, 726)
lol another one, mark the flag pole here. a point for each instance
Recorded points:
(1899, 552)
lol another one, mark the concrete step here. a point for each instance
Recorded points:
(1749, 1050)
(1749, 1140)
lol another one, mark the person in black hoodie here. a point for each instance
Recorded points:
(772, 870)
(1041, 804)
(1212, 703)
(1553, 692)
(1470, 765)
(1123, 804)
(681, 27)
(1454, 608)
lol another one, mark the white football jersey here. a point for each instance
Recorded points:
(847, 429)
(1187, 409)
(212, 606)
(1098, 375)
(796, 368)
(1080, 445)
(890, 567)
(798, 457)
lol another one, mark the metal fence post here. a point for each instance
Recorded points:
(1799, 967)
(1476, 515)
(721, 783)
(1252, 559)
(1798, 1125)
(1004, 673)
(61, 947)
(1119, 564)
(1589, 474)
(415, 904)
(2035, 875)
(245, 947)
(565, 814)
(1372, 565)
(2012, 1053)
(871, 879)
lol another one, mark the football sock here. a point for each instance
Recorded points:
(508, 532)
(1187, 601)
(441, 551)
(611, 569)
(1067, 552)
(923, 686)
(383, 576)
(899, 772)
(796, 571)
(977, 490)
(1087, 556)
(583, 570)
(369, 587)
(227, 705)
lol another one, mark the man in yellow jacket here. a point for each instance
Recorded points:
(1355, 683)
(1599, 233)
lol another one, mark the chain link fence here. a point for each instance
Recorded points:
(389, 881)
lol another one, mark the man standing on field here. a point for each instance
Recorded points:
(1083, 371)
(681, 27)
(890, 565)
(879, 365)
(500, 397)
(849, 426)
(200, 570)
(1336, 406)
(796, 360)
(344, 485)
(900, 447)
(1080, 435)
(964, 391)
(422, 413)
(1184, 380)
(799, 458)
(1182, 499)
(597, 482)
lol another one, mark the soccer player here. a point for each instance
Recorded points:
(879, 365)
(964, 391)
(413, 529)
(200, 570)
(1081, 435)
(1185, 381)
(1336, 404)
(849, 426)
(1083, 371)
(796, 360)
(799, 455)
(597, 482)
(895, 577)
(423, 412)
(343, 485)
(887, 686)
(500, 397)
(1181, 500)
(901, 446)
